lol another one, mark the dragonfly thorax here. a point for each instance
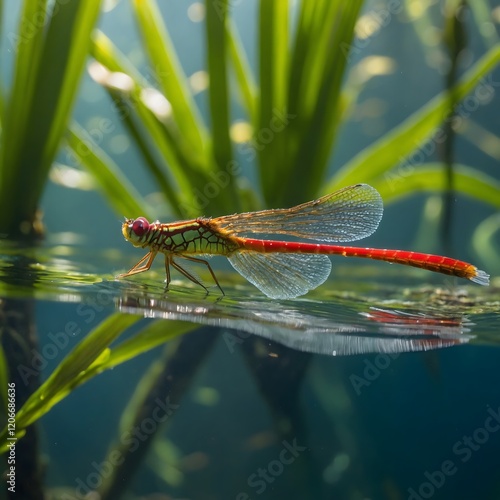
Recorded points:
(186, 237)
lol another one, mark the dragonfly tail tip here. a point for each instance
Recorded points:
(481, 278)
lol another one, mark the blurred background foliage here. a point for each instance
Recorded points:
(176, 109)
(243, 132)
(252, 127)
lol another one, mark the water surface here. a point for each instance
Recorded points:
(374, 386)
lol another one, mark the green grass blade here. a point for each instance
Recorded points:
(301, 54)
(109, 56)
(94, 346)
(4, 381)
(320, 97)
(182, 177)
(242, 71)
(91, 357)
(79, 36)
(184, 173)
(148, 338)
(104, 51)
(58, 62)
(300, 51)
(153, 335)
(170, 75)
(2, 120)
(482, 14)
(142, 138)
(484, 241)
(118, 190)
(28, 51)
(2, 90)
(432, 177)
(394, 146)
(19, 100)
(218, 95)
(273, 83)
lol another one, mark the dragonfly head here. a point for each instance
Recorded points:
(136, 231)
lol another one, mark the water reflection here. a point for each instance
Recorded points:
(351, 319)
(311, 326)
(363, 318)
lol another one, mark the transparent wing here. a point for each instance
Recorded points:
(346, 215)
(282, 275)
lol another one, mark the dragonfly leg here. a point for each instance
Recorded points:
(187, 274)
(143, 265)
(204, 262)
(168, 261)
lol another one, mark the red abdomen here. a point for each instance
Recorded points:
(430, 262)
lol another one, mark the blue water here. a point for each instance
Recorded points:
(367, 426)
(375, 387)
(241, 415)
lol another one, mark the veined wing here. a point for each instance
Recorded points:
(349, 214)
(282, 275)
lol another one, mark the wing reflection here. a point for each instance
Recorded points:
(311, 326)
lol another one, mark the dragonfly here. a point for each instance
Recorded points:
(282, 269)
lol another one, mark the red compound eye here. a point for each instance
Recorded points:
(140, 226)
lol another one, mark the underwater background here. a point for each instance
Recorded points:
(380, 384)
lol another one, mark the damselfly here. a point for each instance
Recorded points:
(283, 269)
